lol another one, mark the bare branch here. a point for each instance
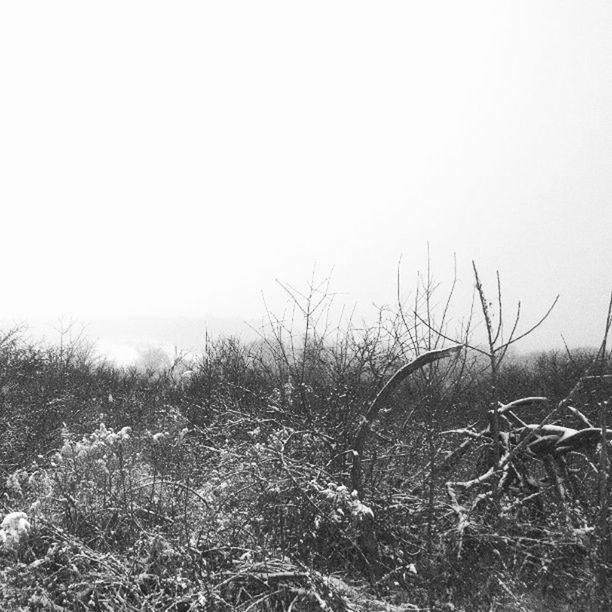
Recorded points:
(580, 416)
(534, 327)
(382, 396)
(498, 332)
(517, 318)
(521, 403)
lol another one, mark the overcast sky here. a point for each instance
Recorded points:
(174, 158)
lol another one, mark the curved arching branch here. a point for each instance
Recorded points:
(370, 416)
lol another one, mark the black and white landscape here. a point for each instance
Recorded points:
(305, 306)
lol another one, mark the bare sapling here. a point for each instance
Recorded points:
(497, 348)
(605, 546)
(495, 351)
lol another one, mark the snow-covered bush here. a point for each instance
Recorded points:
(14, 528)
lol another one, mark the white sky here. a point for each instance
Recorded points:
(174, 158)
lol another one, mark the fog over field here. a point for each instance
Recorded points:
(167, 163)
(124, 340)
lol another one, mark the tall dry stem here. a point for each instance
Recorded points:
(605, 552)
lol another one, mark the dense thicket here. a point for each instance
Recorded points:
(232, 485)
